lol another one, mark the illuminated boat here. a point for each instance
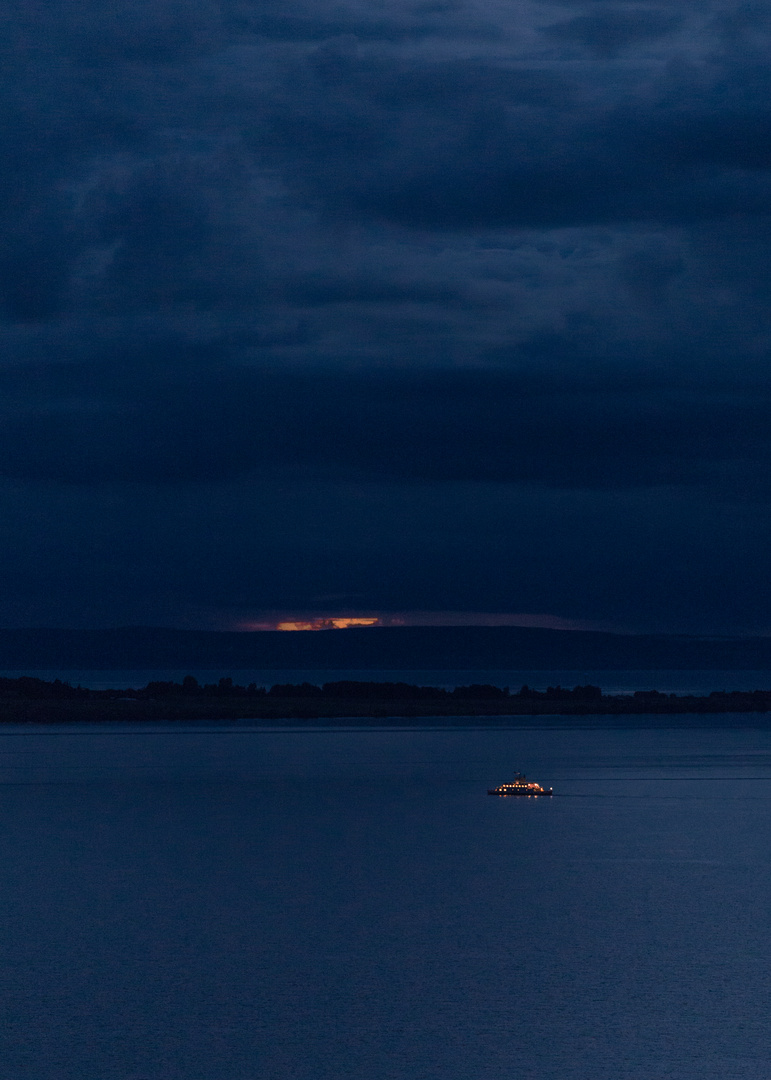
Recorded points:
(520, 786)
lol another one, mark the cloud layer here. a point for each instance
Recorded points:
(442, 245)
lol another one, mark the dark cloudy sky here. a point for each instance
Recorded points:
(385, 306)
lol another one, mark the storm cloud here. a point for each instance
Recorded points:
(454, 247)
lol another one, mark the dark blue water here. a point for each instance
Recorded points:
(235, 905)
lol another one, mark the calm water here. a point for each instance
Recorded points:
(251, 905)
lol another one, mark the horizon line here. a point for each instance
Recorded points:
(315, 621)
(370, 623)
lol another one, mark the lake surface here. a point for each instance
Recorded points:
(224, 904)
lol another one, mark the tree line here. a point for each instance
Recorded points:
(368, 696)
(32, 688)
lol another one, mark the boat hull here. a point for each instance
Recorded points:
(521, 794)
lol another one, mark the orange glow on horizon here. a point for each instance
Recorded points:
(333, 623)
(309, 621)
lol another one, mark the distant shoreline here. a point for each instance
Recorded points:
(30, 700)
(394, 648)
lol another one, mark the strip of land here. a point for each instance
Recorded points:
(31, 700)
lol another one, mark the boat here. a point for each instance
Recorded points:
(520, 786)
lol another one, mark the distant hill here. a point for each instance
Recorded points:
(395, 648)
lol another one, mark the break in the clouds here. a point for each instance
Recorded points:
(467, 301)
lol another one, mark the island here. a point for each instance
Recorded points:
(28, 699)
